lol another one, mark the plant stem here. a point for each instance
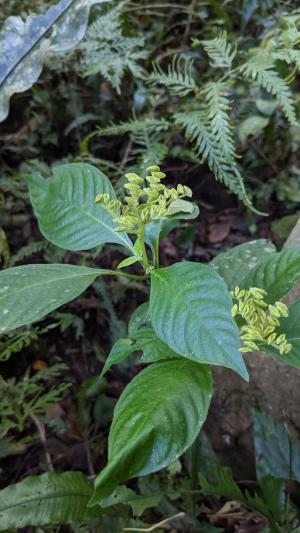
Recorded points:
(141, 236)
(124, 275)
(42, 433)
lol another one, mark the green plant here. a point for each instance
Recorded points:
(189, 322)
(277, 462)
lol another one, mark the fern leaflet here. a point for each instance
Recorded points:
(218, 116)
(134, 126)
(206, 146)
(178, 78)
(220, 52)
(106, 50)
(263, 70)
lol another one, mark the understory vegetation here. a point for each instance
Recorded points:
(149, 180)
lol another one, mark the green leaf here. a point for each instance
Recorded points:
(30, 292)
(289, 326)
(66, 210)
(138, 252)
(200, 458)
(157, 417)
(120, 350)
(137, 502)
(47, 499)
(26, 44)
(275, 454)
(145, 340)
(277, 274)
(140, 317)
(153, 348)
(273, 491)
(252, 126)
(129, 261)
(191, 312)
(224, 485)
(159, 229)
(181, 206)
(235, 264)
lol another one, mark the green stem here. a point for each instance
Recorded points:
(156, 254)
(124, 275)
(141, 235)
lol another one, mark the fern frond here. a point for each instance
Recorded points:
(290, 56)
(206, 146)
(220, 52)
(108, 51)
(150, 149)
(27, 251)
(178, 78)
(17, 343)
(134, 126)
(218, 107)
(263, 70)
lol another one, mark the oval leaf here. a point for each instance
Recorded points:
(277, 274)
(47, 499)
(158, 416)
(140, 317)
(235, 264)
(145, 340)
(66, 210)
(28, 293)
(191, 311)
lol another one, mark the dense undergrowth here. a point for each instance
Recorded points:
(210, 92)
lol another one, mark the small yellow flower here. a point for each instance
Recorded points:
(261, 319)
(146, 199)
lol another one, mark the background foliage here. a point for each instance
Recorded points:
(210, 91)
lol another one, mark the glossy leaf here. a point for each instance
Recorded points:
(26, 44)
(159, 229)
(120, 350)
(66, 210)
(275, 454)
(137, 502)
(235, 264)
(191, 312)
(277, 274)
(152, 347)
(157, 417)
(30, 292)
(145, 340)
(289, 326)
(46, 499)
(140, 317)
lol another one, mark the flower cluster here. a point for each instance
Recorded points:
(261, 320)
(146, 199)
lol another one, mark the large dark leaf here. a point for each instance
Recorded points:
(191, 312)
(66, 210)
(157, 417)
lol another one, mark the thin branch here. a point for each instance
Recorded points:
(156, 526)
(42, 433)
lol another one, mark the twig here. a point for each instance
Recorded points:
(156, 526)
(126, 154)
(42, 433)
(189, 22)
